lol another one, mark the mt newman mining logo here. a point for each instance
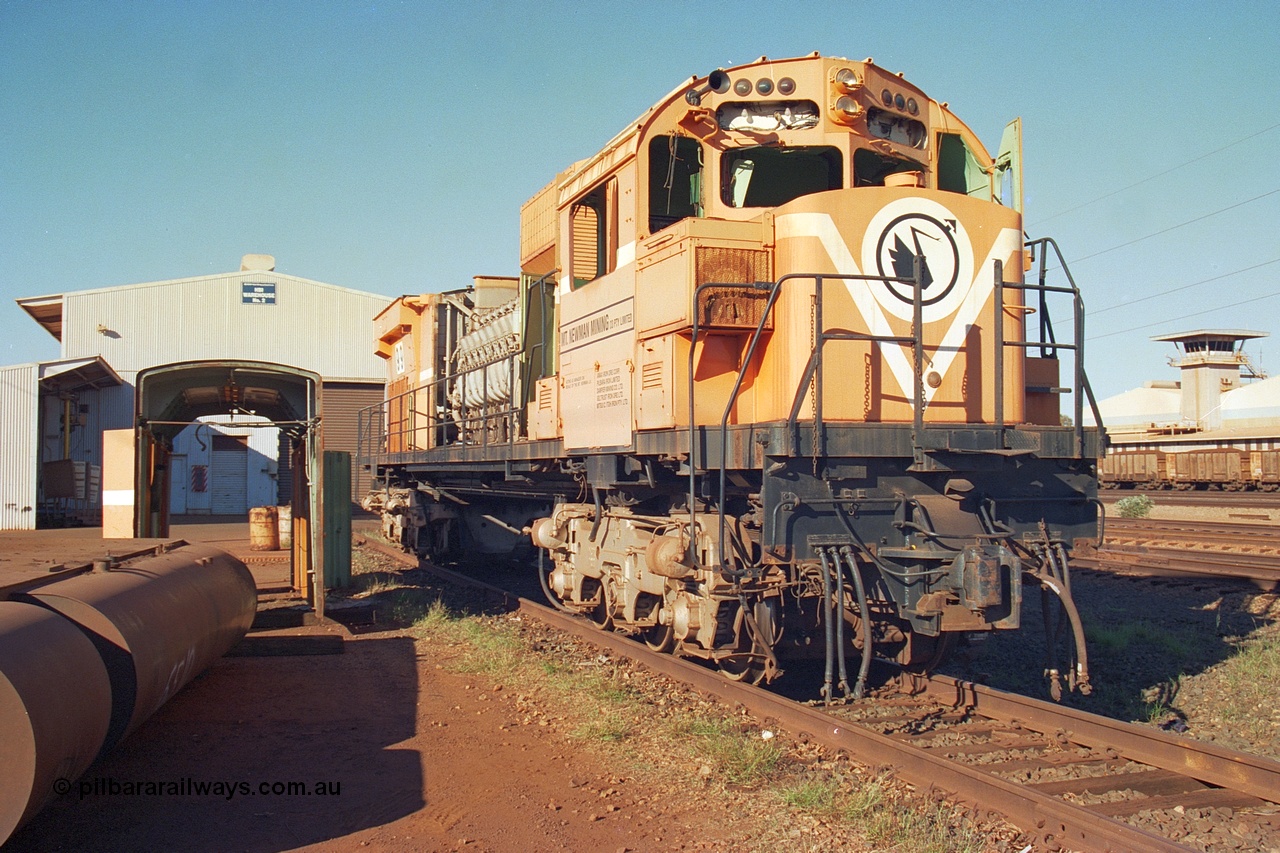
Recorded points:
(598, 325)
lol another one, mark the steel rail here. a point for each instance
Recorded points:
(1237, 541)
(1173, 561)
(1038, 814)
(1217, 499)
(1207, 762)
(1238, 533)
(1193, 525)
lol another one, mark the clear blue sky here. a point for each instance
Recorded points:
(387, 146)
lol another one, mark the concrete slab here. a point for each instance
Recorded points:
(33, 556)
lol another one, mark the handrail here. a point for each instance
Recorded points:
(1047, 342)
(774, 289)
(486, 425)
(486, 422)
(813, 368)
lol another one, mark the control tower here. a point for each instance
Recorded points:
(1212, 361)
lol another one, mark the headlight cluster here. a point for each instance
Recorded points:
(846, 82)
(764, 86)
(897, 101)
(846, 108)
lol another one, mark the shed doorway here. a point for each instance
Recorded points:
(179, 480)
(236, 397)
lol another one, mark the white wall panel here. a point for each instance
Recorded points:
(18, 430)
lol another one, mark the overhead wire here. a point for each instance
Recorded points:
(1185, 316)
(1096, 311)
(1165, 293)
(1176, 227)
(1157, 175)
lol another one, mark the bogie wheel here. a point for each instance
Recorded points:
(660, 638)
(602, 614)
(751, 667)
(747, 669)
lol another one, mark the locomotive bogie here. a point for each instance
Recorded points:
(635, 573)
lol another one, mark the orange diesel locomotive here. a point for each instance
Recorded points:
(771, 382)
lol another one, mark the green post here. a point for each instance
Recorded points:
(337, 518)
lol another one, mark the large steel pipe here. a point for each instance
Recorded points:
(157, 623)
(55, 707)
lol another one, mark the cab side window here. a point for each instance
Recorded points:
(675, 180)
(593, 219)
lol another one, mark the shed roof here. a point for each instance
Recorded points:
(1254, 400)
(1138, 407)
(45, 310)
(77, 374)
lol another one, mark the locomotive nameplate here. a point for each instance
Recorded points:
(615, 319)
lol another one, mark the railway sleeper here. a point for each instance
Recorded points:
(1150, 782)
(1204, 798)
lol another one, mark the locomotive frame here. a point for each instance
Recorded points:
(736, 436)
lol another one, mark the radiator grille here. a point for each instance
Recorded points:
(731, 307)
(731, 266)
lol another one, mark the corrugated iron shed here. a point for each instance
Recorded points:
(19, 413)
(252, 314)
(24, 389)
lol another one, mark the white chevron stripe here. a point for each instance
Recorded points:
(823, 228)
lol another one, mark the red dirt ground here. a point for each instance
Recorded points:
(415, 758)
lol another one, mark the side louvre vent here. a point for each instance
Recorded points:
(651, 375)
